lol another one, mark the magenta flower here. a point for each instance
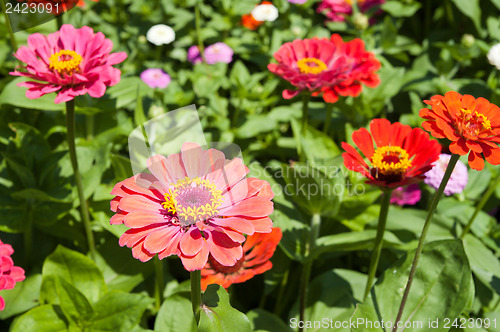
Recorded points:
(298, 2)
(409, 195)
(194, 204)
(218, 52)
(194, 55)
(9, 274)
(156, 78)
(458, 180)
(337, 10)
(71, 62)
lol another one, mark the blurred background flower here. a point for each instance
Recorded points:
(458, 180)
(156, 78)
(160, 34)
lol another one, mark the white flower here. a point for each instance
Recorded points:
(160, 34)
(265, 12)
(494, 55)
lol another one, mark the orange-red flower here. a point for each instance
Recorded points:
(249, 22)
(472, 125)
(258, 249)
(401, 155)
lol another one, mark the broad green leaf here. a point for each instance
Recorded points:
(77, 269)
(16, 96)
(331, 300)
(256, 125)
(74, 305)
(175, 314)
(119, 311)
(217, 315)
(22, 297)
(353, 241)
(471, 9)
(441, 288)
(477, 184)
(313, 190)
(400, 9)
(263, 320)
(45, 318)
(483, 262)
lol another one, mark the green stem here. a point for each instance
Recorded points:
(306, 269)
(9, 27)
(159, 283)
(279, 300)
(377, 248)
(28, 235)
(197, 21)
(305, 110)
(430, 213)
(59, 21)
(329, 108)
(196, 293)
(70, 126)
(480, 205)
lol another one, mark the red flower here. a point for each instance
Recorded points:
(9, 274)
(402, 155)
(328, 66)
(473, 125)
(194, 203)
(249, 22)
(258, 249)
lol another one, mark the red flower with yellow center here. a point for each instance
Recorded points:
(472, 125)
(257, 250)
(401, 155)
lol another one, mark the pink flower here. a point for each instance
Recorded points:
(9, 274)
(330, 67)
(71, 61)
(194, 55)
(156, 78)
(194, 204)
(409, 195)
(337, 10)
(458, 179)
(218, 52)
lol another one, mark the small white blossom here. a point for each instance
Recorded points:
(160, 34)
(265, 12)
(494, 55)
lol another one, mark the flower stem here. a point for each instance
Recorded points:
(70, 126)
(59, 21)
(430, 213)
(377, 248)
(9, 27)
(305, 110)
(306, 269)
(197, 22)
(480, 205)
(158, 282)
(329, 108)
(196, 293)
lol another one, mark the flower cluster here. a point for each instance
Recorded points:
(327, 67)
(265, 11)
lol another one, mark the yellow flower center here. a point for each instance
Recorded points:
(65, 62)
(192, 200)
(391, 160)
(472, 122)
(311, 66)
(359, 2)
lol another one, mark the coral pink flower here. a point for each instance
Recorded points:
(328, 66)
(71, 61)
(9, 274)
(409, 195)
(337, 10)
(194, 204)
(258, 250)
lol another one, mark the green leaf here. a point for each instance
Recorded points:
(119, 311)
(441, 288)
(46, 318)
(483, 262)
(400, 9)
(74, 305)
(16, 96)
(477, 184)
(353, 241)
(175, 314)
(77, 269)
(22, 297)
(217, 315)
(313, 190)
(263, 320)
(255, 125)
(471, 9)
